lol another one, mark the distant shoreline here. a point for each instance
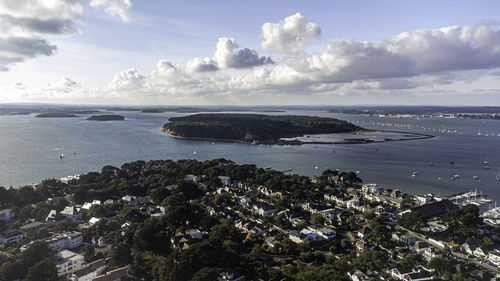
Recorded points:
(418, 136)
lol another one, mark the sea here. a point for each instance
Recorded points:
(453, 161)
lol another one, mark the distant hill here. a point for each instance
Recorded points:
(250, 127)
(56, 115)
(106, 118)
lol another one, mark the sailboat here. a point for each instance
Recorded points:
(498, 176)
(194, 152)
(485, 162)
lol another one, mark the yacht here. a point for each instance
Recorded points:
(485, 162)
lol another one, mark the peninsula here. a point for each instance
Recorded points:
(106, 118)
(255, 128)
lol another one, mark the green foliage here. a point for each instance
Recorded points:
(412, 220)
(317, 219)
(42, 271)
(372, 260)
(463, 222)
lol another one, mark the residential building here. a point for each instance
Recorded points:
(90, 271)
(119, 274)
(11, 237)
(494, 257)
(67, 240)
(68, 262)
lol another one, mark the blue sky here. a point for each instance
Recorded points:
(214, 52)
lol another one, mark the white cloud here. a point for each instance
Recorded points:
(227, 57)
(128, 79)
(119, 8)
(201, 65)
(289, 35)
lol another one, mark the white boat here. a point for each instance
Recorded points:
(61, 156)
(414, 174)
(194, 152)
(485, 162)
(498, 176)
(486, 167)
(475, 177)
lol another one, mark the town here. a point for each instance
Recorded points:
(216, 220)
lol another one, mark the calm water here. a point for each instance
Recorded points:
(30, 149)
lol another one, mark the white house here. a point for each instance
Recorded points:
(324, 232)
(71, 212)
(90, 271)
(263, 209)
(67, 240)
(68, 262)
(225, 180)
(480, 253)
(494, 257)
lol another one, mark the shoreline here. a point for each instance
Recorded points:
(418, 136)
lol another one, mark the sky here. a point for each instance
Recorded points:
(226, 52)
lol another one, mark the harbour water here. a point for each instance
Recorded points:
(30, 150)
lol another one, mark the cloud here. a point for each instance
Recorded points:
(23, 25)
(226, 57)
(201, 65)
(128, 79)
(119, 8)
(18, 49)
(42, 9)
(289, 35)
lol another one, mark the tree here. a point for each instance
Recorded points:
(412, 220)
(205, 274)
(463, 221)
(317, 219)
(42, 271)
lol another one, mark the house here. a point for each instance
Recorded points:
(418, 247)
(193, 178)
(263, 209)
(11, 237)
(7, 214)
(303, 236)
(230, 275)
(72, 212)
(326, 232)
(468, 247)
(30, 227)
(481, 253)
(418, 276)
(244, 201)
(68, 262)
(54, 217)
(67, 240)
(407, 239)
(365, 232)
(431, 253)
(400, 272)
(357, 275)
(119, 274)
(129, 200)
(330, 213)
(271, 242)
(93, 220)
(225, 180)
(494, 257)
(194, 234)
(90, 271)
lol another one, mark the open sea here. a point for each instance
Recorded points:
(30, 149)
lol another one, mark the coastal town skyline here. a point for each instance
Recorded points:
(131, 52)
